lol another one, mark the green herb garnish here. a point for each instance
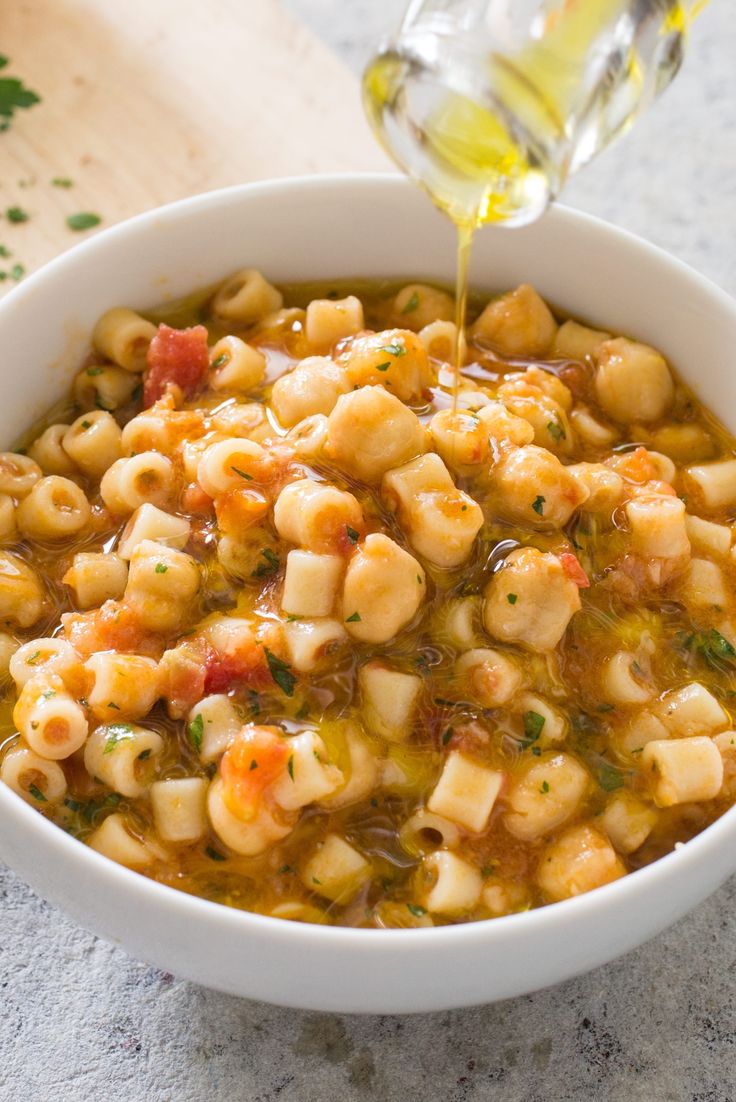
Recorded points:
(220, 360)
(447, 735)
(533, 725)
(160, 568)
(545, 788)
(290, 767)
(37, 794)
(243, 474)
(195, 730)
(416, 910)
(556, 431)
(512, 598)
(280, 672)
(411, 305)
(610, 778)
(353, 536)
(214, 855)
(62, 181)
(16, 214)
(354, 619)
(84, 220)
(271, 564)
(394, 349)
(538, 505)
(116, 733)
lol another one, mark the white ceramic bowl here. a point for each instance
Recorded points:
(328, 228)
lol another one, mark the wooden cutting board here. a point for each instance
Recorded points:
(147, 101)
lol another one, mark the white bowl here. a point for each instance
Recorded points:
(329, 228)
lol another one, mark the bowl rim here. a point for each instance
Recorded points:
(43, 832)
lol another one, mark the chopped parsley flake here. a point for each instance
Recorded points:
(16, 214)
(270, 566)
(84, 220)
(253, 765)
(86, 424)
(383, 367)
(610, 778)
(395, 349)
(281, 672)
(556, 431)
(545, 788)
(160, 568)
(17, 272)
(512, 598)
(243, 474)
(353, 536)
(214, 855)
(416, 910)
(62, 181)
(195, 730)
(411, 304)
(37, 793)
(712, 646)
(14, 96)
(34, 658)
(290, 767)
(538, 505)
(116, 733)
(447, 735)
(354, 619)
(220, 361)
(533, 726)
(92, 371)
(284, 869)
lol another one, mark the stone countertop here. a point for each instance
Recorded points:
(79, 1020)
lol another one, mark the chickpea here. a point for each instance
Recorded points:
(532, 487)
(534, 381)
(552, 430)
(578, 342)
(313, 386)
(505, 427)
(545, 793)
(370, 432)
(633, 381)
(544, 600)
(578, 861)
(418, 305)
(605, 488)
(384, 587)
(517, 324)
(440, 521)
(395, 358)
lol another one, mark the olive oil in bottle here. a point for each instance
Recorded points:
(491, 104)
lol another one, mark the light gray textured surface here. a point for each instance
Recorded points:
(80, 1021)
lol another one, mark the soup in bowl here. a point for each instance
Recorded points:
(298, 622)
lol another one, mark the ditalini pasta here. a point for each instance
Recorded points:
(289, 625)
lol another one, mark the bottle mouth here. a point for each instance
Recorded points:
(467, 126)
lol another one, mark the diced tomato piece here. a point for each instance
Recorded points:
(238, 509)
(574, 570)
(252, 761)
(175, 356)
(115, 626)
(247, 666)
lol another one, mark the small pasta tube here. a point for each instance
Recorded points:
(331, 320)
(125, 686)
(149, 522)
(579, 860)
(622, 680)
(104, 386)
(8, 528)
(657, 526)
(96, 577)
(48, 451)
(310, 583)
(123, 336)
(389, 700)
(93, 442)
(491, 677)
(49, 718)
(682, 770)
(123, 756)
(248, 837)
(423, 832)
(37, 780)
(466, 792)
(335, 869)
(713, 484)
(628, 821)
(361, 776)
(236, 365)
(55, 509)
(114, 839)
(162, 583)
(578, 342)
(309, 776)
(310, 641)
(456, 884)
(691, 710)
(21, 595)
(212, 724)
(130, 483)
(150, 431)
(42, 657)
(246, 297)
(179, 808)
(18, 474)
(539, 715)
(708, 536)
(230, 465)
